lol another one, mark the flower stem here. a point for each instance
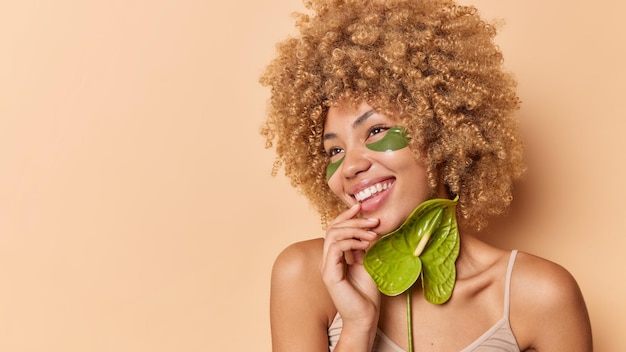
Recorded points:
(409, 322)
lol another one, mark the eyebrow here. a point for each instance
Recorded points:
(362, 118)
(359, 120)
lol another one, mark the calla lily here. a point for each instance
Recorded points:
(426, 245)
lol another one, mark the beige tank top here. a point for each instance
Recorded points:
(499, 338)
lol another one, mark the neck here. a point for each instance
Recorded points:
(474, 256)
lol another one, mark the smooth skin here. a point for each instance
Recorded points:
(314, 280)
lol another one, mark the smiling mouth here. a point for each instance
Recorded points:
(372, 190)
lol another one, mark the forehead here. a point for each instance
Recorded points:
(347, 115)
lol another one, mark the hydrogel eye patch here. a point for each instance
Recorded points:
(396, 138)
(332, 167)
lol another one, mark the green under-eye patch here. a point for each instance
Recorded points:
(332, 167)
(396, 138)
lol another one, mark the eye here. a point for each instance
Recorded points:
(334, 151)
(374, 130)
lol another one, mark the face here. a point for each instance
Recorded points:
(370, 163)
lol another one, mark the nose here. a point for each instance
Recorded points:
(355, 161)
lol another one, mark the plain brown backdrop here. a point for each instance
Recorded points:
(137, 210)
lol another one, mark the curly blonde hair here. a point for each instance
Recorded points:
(431, 64)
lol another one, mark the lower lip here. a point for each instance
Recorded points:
(375, 201)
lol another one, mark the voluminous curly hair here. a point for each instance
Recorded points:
(430, 64)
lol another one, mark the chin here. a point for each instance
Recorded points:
(385, 227)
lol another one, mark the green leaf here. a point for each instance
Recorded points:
(439, 259)
(428, 240)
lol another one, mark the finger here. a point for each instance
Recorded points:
(348, 234)
(352, 228)
(334, 261)
(357, 256)
(348, 214)
(349, 257)
(364, 223)
(336, 250)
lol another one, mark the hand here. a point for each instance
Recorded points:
(352, 290)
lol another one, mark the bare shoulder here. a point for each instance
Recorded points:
(544, 294)
(303, 253)
(547, 279)
(298, 258)
(300, 307)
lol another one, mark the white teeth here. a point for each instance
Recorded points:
(371, 190)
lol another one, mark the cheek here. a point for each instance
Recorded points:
(334, 185)
(398, 160)
(403, 164)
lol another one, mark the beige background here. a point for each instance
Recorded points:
(137, 212)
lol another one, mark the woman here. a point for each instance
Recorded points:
(359, 72)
